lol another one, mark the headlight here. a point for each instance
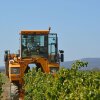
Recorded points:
(15, 70)
(53, 69)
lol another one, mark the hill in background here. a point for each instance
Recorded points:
(2, 69)
(93, 63)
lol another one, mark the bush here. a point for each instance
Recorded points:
(68, 84)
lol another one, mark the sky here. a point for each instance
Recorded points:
(77, 23)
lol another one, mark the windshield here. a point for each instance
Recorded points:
(34, 45)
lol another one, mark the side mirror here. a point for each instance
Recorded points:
(61, 55)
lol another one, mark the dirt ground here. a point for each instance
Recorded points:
(9, 90)
(6, 89)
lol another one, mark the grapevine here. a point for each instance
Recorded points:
(68, 84)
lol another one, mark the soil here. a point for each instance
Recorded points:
(6, 89)
(9, 90)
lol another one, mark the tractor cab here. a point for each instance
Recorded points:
(39, 43)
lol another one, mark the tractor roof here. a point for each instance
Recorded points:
(35, 32)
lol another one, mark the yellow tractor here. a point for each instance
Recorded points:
(39, 47)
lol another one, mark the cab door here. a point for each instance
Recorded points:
(52, 47)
